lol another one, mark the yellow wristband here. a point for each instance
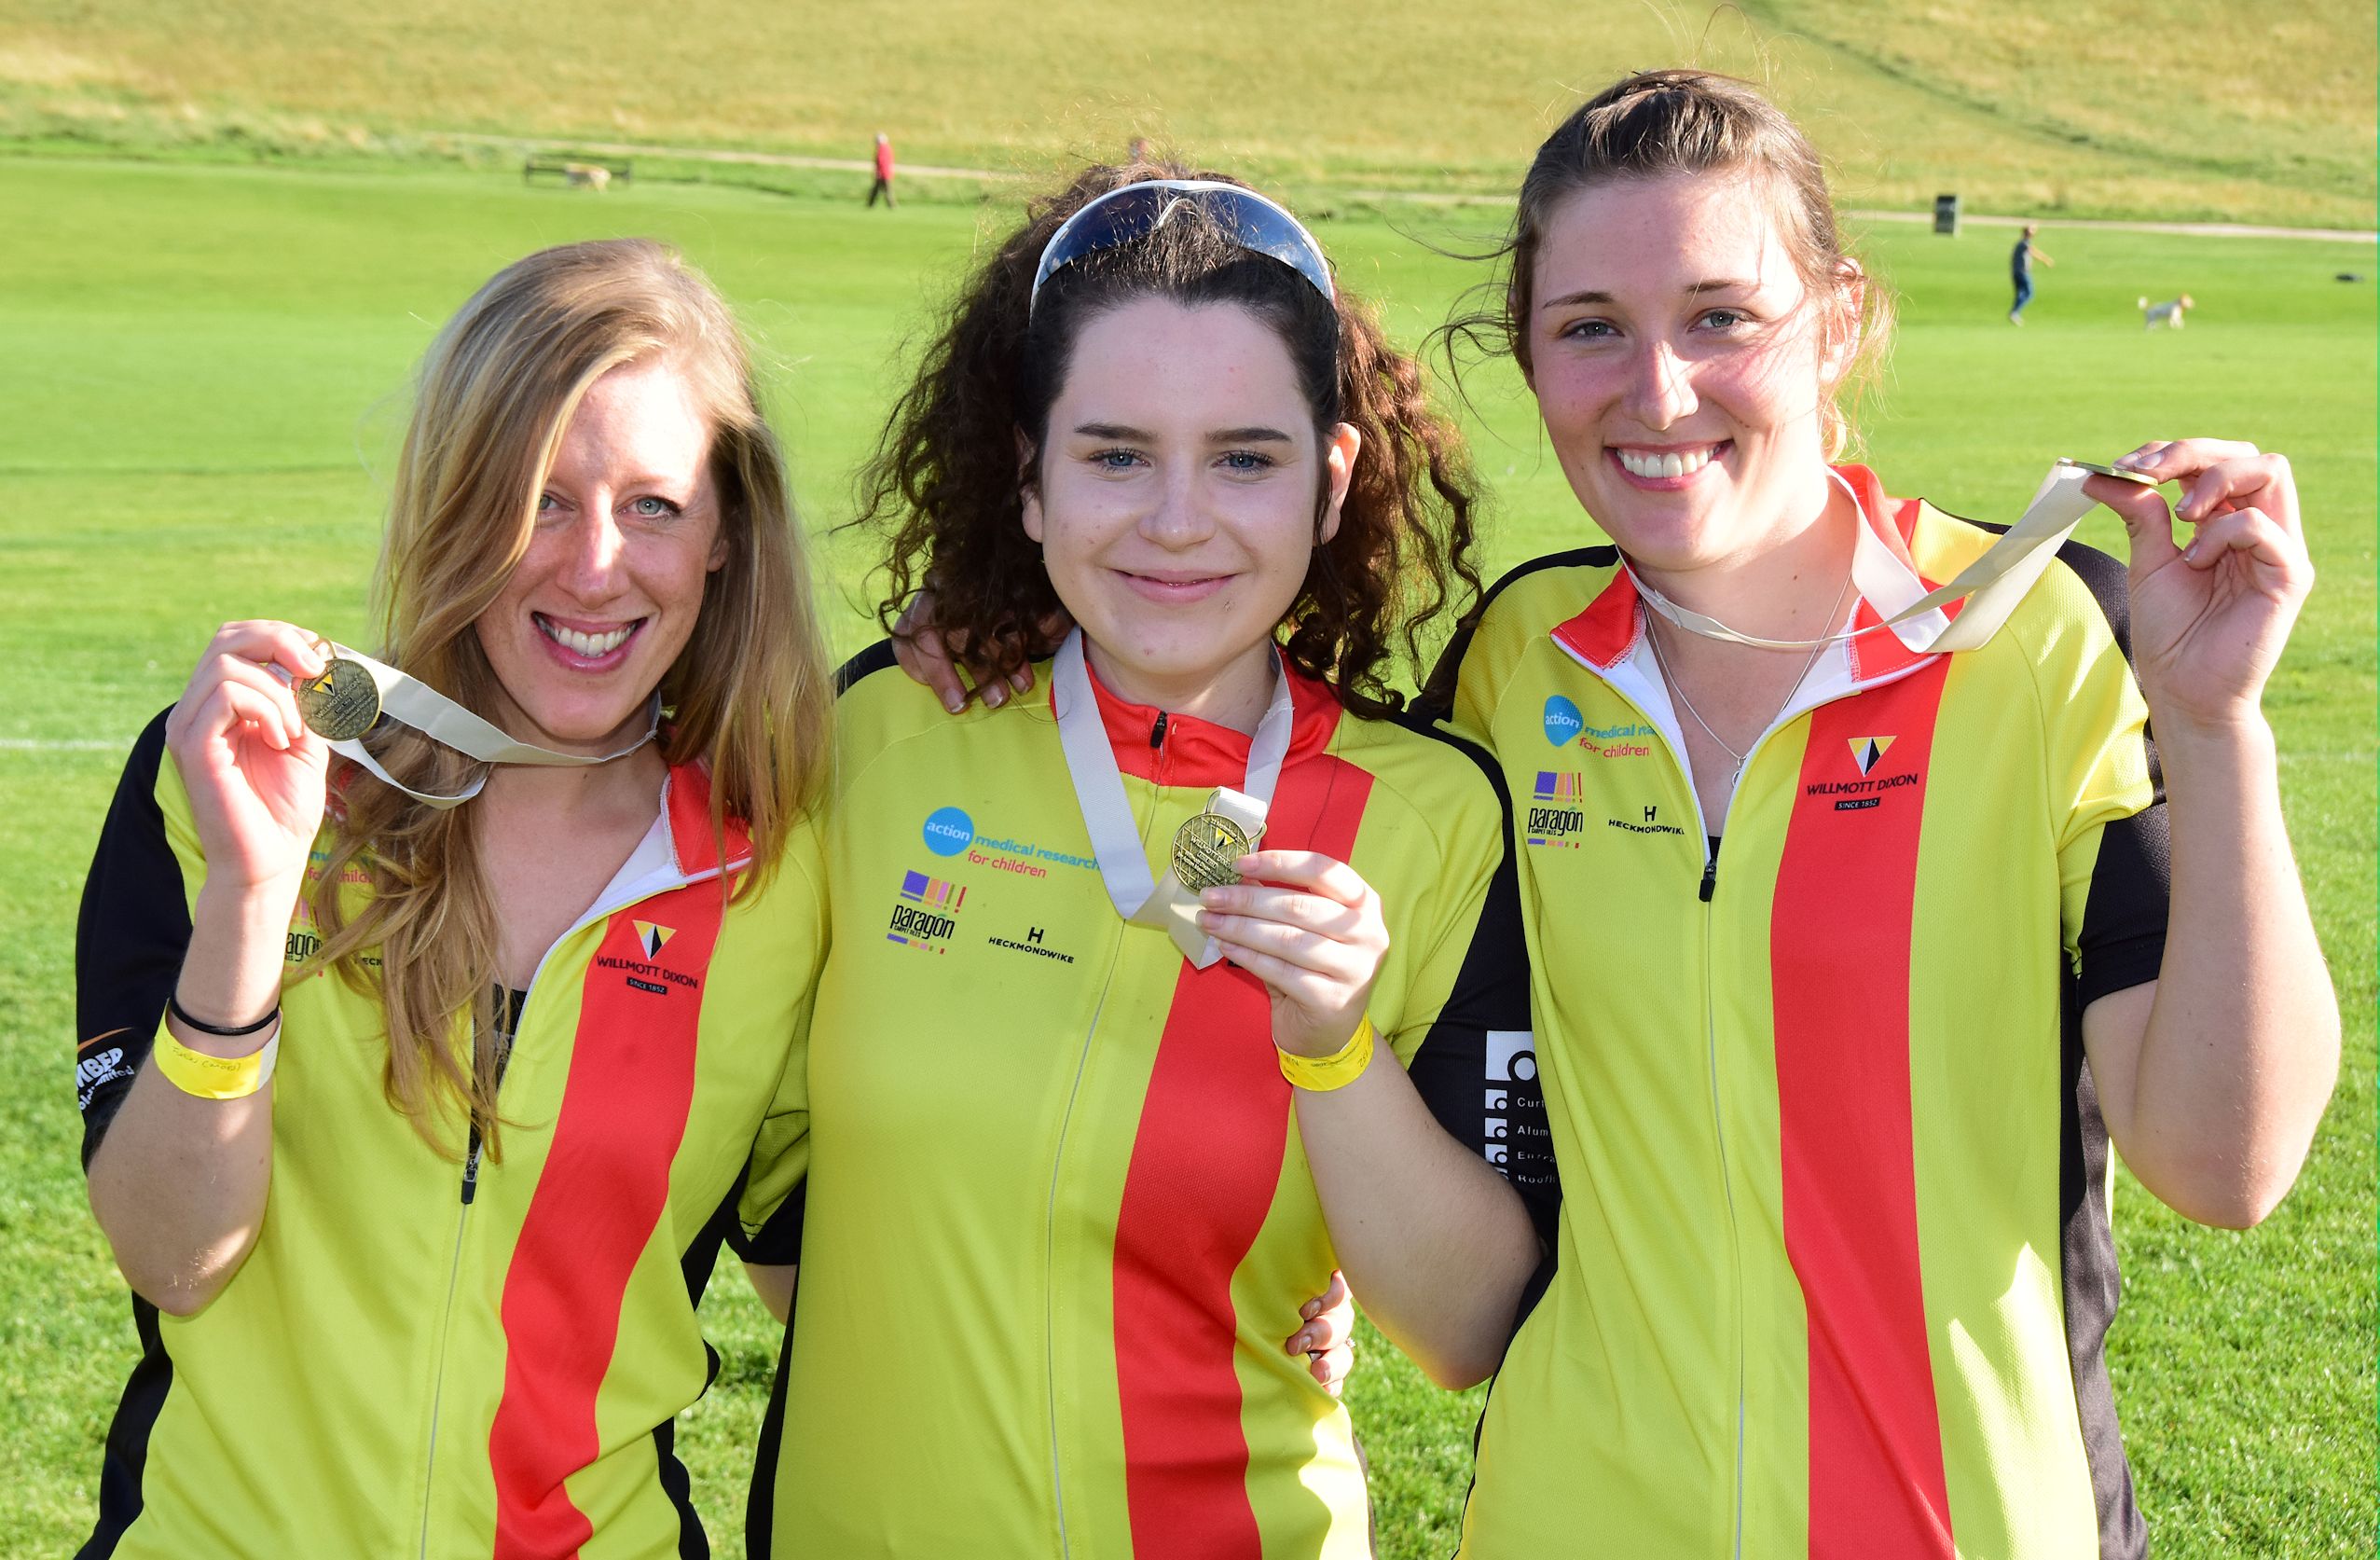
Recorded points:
(1343, 1067)
(195, 1072)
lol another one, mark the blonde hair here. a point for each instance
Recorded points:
(749, 697)
(1663, 122)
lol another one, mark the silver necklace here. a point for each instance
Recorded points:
(1678, 688)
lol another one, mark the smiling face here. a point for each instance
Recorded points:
(627, 531)
(1682, 368)
(1177, 499)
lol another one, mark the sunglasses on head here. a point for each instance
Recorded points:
(1119, 217)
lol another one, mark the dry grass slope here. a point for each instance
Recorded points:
(2165, 108)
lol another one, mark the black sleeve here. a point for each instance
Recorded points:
(1477, 1069)
(2122, 942)
(128, 940)
(776, 1243)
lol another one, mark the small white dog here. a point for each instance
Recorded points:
(588, 176)
(2166, 313)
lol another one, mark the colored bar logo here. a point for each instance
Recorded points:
(918, 889)
(925, 915)
(1556, 818)
(1558, 786)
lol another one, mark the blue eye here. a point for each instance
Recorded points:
(1115, 460)
(1589, 330)
(652, 508)
(1727, 319)
(1247, 460)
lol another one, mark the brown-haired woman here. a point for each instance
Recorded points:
(1885, 926)
(1082, 1167)
(426, 1283)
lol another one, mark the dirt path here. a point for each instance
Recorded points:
(1423, 198)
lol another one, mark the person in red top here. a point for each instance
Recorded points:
(884, 173)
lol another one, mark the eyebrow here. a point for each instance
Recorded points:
(1220, 435)
(1692, 289)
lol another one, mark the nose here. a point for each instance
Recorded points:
(1660, 391)
(591, 569)
(1179, 517)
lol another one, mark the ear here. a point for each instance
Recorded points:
(1028, 490)
(1339, 460)
(1843, 328)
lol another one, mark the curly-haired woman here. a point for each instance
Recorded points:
(1094, 1102)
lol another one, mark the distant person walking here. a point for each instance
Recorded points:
(884, 173)
(2020, 263)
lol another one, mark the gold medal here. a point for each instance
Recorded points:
(341, 704)
(1204, 848)
(2098, 470)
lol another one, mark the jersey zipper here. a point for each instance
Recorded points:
(1707, 892)
(1049, 1255)
(1057, 1168)
(1050, 1209)
(454, 1270)
(438, 1376)
(469, 1186)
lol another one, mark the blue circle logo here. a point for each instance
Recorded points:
(1563, 723)
(949, 831)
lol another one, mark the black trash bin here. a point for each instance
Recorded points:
(1946, 215)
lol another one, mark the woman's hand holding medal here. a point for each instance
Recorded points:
(2209, 620)
(1313, 931)
(255, 772)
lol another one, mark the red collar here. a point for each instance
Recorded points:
(1199, 752)
(1607, 631)
(685, 799)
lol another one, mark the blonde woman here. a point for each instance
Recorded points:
(415, 1129)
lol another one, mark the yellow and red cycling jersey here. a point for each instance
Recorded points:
(422, 1356)
(1834, 1268)
(1058, 1218)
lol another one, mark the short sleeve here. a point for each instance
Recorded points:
(2106, 793)
(768, 1228)
(131, 931)
(1472, 1055)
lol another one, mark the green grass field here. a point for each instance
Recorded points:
(209, 367)
(2160, 108)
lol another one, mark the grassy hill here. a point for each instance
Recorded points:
(210, 370)
(2205, 109)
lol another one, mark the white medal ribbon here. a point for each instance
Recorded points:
(442, 720)
(1991, 586)
(1139, 898)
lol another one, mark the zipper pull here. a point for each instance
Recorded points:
(1710, 877)
(1157, 733)
(471, 1162)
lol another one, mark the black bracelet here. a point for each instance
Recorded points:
(174, 1005)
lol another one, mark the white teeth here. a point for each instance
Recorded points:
(592, 646)
(1666, 463)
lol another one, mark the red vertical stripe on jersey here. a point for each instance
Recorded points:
(600, 1194)
(1205, 1164)
(1839, 948)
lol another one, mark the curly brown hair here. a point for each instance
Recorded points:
(945, 490)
